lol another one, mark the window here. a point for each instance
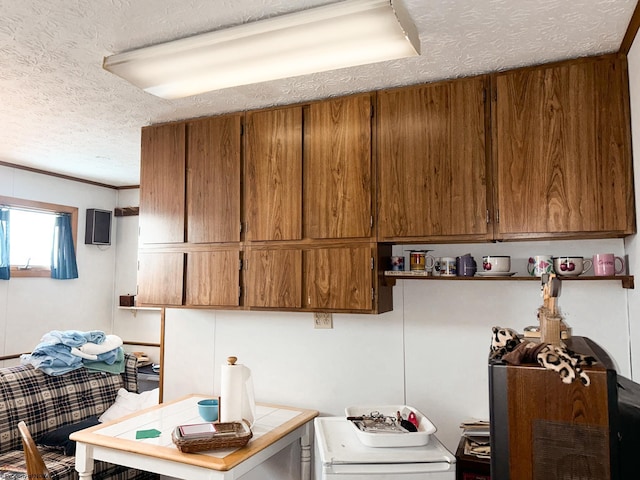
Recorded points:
(31, 234)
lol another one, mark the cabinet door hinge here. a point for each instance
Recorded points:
(372, 263)
(240, 227)
(240, 262)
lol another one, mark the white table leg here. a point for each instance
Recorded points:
(84, 461)
(305, 453)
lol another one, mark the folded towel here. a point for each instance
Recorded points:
(53, 359)
(115, 365)
(111, 342)
(81, 354)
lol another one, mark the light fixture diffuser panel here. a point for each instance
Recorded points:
(346, 34)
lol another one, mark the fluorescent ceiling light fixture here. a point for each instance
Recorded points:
(339, 35)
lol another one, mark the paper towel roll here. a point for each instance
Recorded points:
(236, 393)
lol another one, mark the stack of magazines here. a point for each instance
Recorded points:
(477, 441)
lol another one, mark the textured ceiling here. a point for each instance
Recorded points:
(61, 112)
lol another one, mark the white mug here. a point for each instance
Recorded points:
(571, 266)
(493, 263)
(539, 265)
(447, 266)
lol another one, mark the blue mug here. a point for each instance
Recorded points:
(466, 266)
(208, 409)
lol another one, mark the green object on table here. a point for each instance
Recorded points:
(152, 433)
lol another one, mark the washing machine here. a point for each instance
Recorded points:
(340, 455)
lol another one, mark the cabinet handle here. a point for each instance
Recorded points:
(488, 217)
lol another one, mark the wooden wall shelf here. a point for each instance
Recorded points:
(134, 310)
(391, 277)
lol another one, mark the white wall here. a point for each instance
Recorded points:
(30, 307)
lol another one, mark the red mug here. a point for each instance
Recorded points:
(604, 265)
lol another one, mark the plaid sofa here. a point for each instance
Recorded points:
(45, 403)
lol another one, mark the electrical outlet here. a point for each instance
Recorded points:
(322, 320)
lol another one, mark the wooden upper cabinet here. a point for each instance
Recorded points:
(162, 184)
(432, 162)
(337, 168)
(213, 278)
(274, 277)
(273, 156)
(339, 278)
(563, 149)
(160, 276)
(213, 179)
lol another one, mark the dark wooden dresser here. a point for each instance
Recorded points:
(543, 429)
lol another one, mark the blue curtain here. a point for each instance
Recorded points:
(5, 264)
(63, 255)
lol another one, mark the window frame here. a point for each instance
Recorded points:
(11, 202)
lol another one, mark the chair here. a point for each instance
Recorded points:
(35, 465)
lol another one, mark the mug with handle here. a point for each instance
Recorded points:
(466, 266)
(604, 265)
(570, 266)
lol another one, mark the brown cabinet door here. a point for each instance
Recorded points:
(337, 168)
(162, 184)
(274, 278)
(213, 278)
(338, 278)
(274, 174)
(160, 276)
(563, 150)
(213, 179)
(432, 162)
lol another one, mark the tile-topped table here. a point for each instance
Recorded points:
(275, 428)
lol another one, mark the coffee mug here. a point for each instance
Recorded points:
(447, 266)
(604, 265)
(466, 266)
(492, 263)
(539, 265)
(571, 266)
(208, 409)
(436, 267)
(397, 263)
(420, 261)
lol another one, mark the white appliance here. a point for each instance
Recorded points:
(339, 455)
